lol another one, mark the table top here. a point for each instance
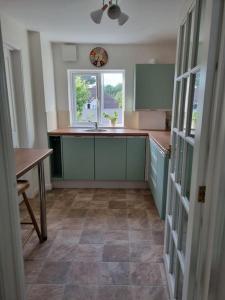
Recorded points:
(26, 159)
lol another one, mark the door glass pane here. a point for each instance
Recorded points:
(180, 280)
(173, 154)
(184, 231)
(113, 99)
(181, 50)
(176, 104)
(171, 197)
(194, 108)
(168, 237)
(186, 106)
(200, 33)
(174, 259)
(179, 160)
(182, 103)
(191, 42)
(176, 213)
(85, 97)
(188, 171)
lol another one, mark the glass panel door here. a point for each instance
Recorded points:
(185, 118)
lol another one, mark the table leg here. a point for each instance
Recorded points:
(41, 178)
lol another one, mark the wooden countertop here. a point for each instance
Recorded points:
(162, 138)
(26, 159)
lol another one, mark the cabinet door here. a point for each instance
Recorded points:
(78, 158)
(154, 86)
(136, 158)
(158, 174)
(110, 158)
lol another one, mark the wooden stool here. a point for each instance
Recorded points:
(22, 186)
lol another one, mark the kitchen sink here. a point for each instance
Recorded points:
(96, 130)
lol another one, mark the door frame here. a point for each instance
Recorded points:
(11, 259)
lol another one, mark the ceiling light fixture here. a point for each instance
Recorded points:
(114, 12)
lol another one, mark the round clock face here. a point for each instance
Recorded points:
(98, 57)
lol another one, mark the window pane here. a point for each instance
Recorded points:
(188, 171)
(113, 99)
(85, 97)
(194, 109)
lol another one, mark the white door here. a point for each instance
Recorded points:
(190, 135)
(11, 96)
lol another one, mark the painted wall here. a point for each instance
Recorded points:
(49, 83)
(120, 57)
(16, 36)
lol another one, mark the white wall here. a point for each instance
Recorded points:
(15, 36)
(120, 57)
(49, 83)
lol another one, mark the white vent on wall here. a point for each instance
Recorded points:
(69, 52)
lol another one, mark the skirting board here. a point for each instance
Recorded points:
(100, 184)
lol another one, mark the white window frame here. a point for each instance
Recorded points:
(71, 93)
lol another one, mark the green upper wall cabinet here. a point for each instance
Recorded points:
(136, 158)
(110, 158)
(154, 86)
(78, 158)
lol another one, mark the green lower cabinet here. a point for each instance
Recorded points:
(136, 158)
(78, 158)
(110, 158)
(158, 176)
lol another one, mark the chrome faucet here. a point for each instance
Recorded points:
(95, 124)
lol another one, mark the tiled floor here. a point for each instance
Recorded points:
(102, 245)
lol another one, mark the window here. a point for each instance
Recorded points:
(96, 97)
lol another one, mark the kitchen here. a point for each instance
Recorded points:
(107, 125)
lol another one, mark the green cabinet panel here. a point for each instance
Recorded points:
(158, 176)
(136, 158)
(154, 86)
(78, 158)
(110, 158)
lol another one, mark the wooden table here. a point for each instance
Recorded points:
(27, 159)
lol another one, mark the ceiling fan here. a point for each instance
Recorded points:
(114, 12)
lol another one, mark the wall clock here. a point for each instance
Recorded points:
(98, 57)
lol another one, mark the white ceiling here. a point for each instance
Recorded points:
(69, 20)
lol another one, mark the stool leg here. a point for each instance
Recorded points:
(30, 211)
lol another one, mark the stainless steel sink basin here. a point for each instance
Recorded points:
(96, 130)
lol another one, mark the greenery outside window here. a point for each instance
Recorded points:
(96, 97)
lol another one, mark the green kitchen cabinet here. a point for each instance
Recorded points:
(78, 158)
(110, 158)
(136, 158)
(154, 86)
(158, 176)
